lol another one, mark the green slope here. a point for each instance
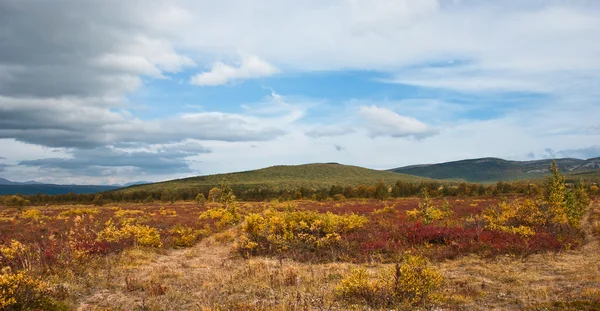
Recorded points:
(317, 175)
(487, 170)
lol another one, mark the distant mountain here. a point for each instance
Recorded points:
(493, 169)
(6, 182)
(136, 183)
(315, 175)
(33, 187)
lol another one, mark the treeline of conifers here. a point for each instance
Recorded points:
(379, 191)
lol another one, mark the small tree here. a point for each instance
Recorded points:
(556, 196)
(98, 200)
(381, 191)
(166, 196)
(226, 196)
(200, 199)
(214, 194)
(577, 203)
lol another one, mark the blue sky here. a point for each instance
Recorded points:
(179, 88)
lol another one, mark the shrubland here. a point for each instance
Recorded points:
(380, 253)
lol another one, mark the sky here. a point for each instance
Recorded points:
(105, 92)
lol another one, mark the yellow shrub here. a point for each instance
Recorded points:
(385, 210)
(279, 231)
(516, 217)
(221, 217)
(186, 236)
(168, 212)
(142, 235)
(128, 212)
(409, 283)
(80, 211)
(357, 287)
(412, 281)
(13, 250)
(19, 291)
(33, 214)
(427, 212)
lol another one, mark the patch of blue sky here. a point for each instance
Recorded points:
(330, 91)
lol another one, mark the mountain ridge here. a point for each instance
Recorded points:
(490, 169)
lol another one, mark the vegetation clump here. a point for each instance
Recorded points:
(409, 283)
(275, 232)
(427, 212)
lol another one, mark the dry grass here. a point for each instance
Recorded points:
(209, 277)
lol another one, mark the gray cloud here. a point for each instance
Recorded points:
(550, 153)
(103, 161)
(70, 123)
(80, 48)
(581, 153)
(339, 148)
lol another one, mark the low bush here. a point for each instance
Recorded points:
(410, 283)
(20, 291)
(297, 232)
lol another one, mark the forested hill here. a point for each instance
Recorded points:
(487, 170)
(286, 177)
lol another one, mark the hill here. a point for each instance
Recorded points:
(317, 175)
(487, 170)
(33, 187)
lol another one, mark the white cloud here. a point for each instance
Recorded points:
(221, 73)
(384, 122)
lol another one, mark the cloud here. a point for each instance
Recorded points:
(104, 161)
(581, 153)
(330, 131)
(70, 72)
(70, 122)
(221, 73)
(339, 148)
(97, 48)
(384, 122)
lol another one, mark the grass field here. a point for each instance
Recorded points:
(297, 255)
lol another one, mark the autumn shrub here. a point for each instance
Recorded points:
(119, 213)
(79, 212)
(515, 217)
(218, 218)
(139, 235)
(299, 232)
(339, 197)
(14, 254)
(32, 214)
(357, 287)
(200, 199)
(427, 212)
(409, 283)
(183, 236)
(20, 291)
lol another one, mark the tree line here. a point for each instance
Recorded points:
(380, 191)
